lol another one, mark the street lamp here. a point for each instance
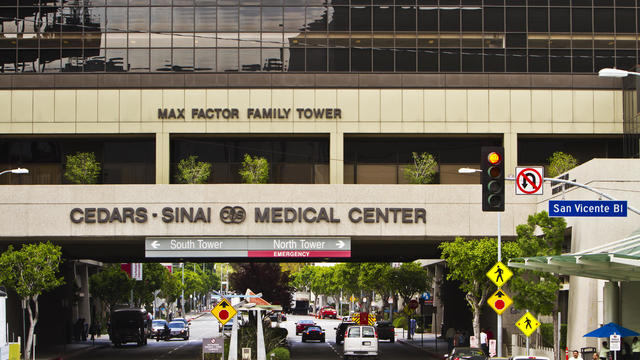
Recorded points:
(617, 73)
(15, 171)
(468, 171)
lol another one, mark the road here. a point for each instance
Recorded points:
(207, 326)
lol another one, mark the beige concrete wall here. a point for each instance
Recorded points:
(372, 111)
(452, 210)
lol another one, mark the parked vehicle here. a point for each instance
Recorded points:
(467, 353)
(327, 312)
(341, 329)
(386, 331)
(157, 328)
(360, 340)
(302, 325)
(178, 329)
(313, 333)
(301, 307)
(129, 325)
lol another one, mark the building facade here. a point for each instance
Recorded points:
(332, 93)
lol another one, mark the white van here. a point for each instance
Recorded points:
(360, 341)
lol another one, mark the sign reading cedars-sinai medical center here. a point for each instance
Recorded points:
(234, 217)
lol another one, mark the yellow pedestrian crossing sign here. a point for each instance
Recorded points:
(224, 311)
(528, 324)
(499, 301)
(499, 274)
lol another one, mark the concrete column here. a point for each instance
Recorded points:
(611, 302)
(162, 158)
(84, 307)
(261, 353)
(436, 319)
(510, 152)
(336, 157)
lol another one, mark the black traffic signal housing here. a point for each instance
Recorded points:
(492, 166)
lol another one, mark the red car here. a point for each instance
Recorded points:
(328, 312)
(302, 325)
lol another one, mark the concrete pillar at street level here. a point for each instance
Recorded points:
(436, 319)
(84, 307)
(611, 302)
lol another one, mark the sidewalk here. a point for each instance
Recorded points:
(427, 342)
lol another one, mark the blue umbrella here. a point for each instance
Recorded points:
(611, 329)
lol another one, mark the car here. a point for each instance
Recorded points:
(386, 331)
(185, 321)
(327, 312)
(341, 329)
(466, 353)
(178, 329)
(157, 326)
(275, 315)
(313, 333)
(302, 325)
(360, 341)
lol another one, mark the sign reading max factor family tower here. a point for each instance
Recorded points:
(252, 113)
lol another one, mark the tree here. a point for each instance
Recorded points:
(153, 277)
(172, 288)
(31, 271)
(534, 290)
(560, 163)
(265, 278)
(254, 170)
(111, 285)
(191, 171)
(82, 168)
(468, 262)
(423, 170)
(377, 277)
(409, 279)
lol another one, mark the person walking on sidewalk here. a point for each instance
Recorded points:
(450, 335)
(635, 349)
(484, 343)
(604, 351)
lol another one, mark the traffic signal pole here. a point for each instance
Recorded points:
(499, 330)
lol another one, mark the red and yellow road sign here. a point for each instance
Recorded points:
(499, 301)
(223, 311)
(499, 274)
(528, 324)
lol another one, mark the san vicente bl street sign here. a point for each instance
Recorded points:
(588, 208)
(266, 247)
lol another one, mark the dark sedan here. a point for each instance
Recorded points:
(466, 353)
(313, 333)
(341, 329)
(178, 329)
(386, 331)
(302, 325)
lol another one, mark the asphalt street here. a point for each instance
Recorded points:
(207, 326)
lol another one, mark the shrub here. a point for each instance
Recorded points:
(400, 322)
(82, 168)
(546, 330)
(191, 171)
(254, 170)
(278, 354)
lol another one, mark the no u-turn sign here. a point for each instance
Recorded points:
(529, 180)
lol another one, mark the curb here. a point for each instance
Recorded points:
(77, 352)
(429, 352)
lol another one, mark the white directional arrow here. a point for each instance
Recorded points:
(340, 244)
(155, 244)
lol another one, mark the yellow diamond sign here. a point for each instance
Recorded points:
(527, 324)
(499, 301)
(224, 311)
(499, 274)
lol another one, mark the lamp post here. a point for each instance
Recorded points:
(15, 171)
(617, 73)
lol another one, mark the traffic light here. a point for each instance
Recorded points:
(492, 166)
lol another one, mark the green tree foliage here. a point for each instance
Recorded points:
(172, 288)
(265, 278)
(377, 278)
(409, 279)
(191, 171)
(111, 285)
(423, 170)
(31, 271)
(468, 261)
(82, 168)
(560, 163)
(534, 290)
(254, 170)
(153, 276)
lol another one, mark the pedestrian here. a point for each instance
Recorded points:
(635, 348)
(576, 355)
(412, 328)
(604, 351)
(462, 339)
(450, 335)
(484, 343)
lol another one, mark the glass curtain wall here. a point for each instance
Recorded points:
(317, 35)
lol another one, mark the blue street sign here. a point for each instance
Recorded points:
(588, 208)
